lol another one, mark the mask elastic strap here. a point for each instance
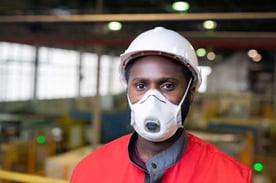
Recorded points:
(129, 103)
(186, 92)
(179, 116)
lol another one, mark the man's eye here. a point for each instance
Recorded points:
(140, 86)
(168, 86)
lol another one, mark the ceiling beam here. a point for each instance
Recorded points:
(137, 17)
(240, 41)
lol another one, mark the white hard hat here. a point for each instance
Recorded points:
(164, 42)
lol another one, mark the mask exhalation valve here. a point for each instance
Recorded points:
(152, 126)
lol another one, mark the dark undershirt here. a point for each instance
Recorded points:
(155, 167)
(136, 158)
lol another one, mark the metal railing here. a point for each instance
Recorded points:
(26, 178)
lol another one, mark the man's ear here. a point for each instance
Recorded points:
(192, 94)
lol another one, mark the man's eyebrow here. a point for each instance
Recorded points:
(167, 78)
(157, 79)
(139, 79)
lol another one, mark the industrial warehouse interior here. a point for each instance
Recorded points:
(61, 95)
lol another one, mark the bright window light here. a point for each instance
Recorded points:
(205, 72)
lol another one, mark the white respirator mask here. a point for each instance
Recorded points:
(154, 117)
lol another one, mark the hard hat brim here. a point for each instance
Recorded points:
(130, 56)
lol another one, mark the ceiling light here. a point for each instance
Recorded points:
(252, 53)
(209, 24)
(257, 58)
(211, 56)
(114, 26)
(181, 6)
(201, 52)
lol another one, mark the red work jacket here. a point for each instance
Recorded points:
(201, 162)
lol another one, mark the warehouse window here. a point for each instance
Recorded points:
(16, 71)
(89, 74)
(57, 73)
(117, 84)
(109, 82)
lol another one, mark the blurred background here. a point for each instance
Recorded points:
(61, 96)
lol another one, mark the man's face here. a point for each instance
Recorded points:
(156, 72)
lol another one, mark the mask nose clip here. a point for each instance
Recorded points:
(152, 126)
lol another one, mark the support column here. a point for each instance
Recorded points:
(35, 78)
(80, 75)
(274, 88)
(96, 119)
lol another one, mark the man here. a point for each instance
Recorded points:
(160, 71)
